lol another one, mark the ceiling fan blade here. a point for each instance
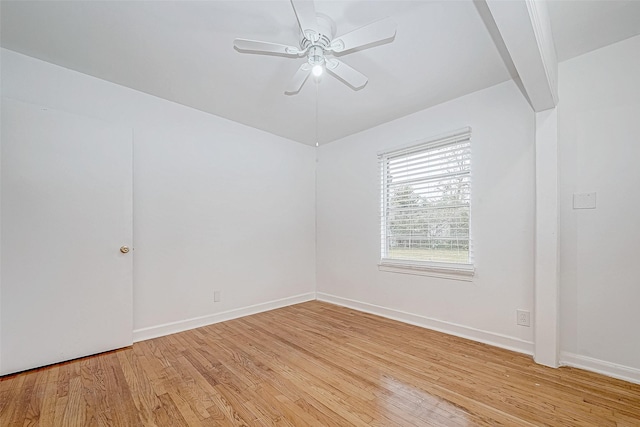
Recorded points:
(376, 31)
(265, 47)
(353, 78)
(306, 14)
(298, 79)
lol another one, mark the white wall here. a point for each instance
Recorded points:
(348, 236)
(217, 205)
(599, 138)
(0, 215)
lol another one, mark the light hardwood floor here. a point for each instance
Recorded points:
(314, 364)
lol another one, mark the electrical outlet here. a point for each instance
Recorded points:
(216, 296)
(523, 317)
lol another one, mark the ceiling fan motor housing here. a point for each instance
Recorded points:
(316, 43)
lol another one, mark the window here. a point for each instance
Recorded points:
(426, 194)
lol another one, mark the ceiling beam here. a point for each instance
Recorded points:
(525, 28)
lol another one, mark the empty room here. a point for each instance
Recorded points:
(320, 213)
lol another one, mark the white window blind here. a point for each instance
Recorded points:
(426, 194)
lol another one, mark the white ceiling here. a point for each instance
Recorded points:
(582, 26)
(183, 51)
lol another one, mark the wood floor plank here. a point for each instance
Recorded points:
(142, 395)
(74, 412)
(314, 364)
(48, 408)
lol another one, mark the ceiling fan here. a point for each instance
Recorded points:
(319, 46)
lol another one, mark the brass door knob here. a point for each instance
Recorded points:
(124, 249)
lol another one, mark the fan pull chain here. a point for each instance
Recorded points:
(317, 84)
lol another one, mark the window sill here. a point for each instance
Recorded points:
(463, 272)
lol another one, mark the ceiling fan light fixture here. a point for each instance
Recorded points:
(317, 70)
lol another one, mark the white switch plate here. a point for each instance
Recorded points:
(584, 200)
(216, 296)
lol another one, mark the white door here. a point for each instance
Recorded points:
(66, 210)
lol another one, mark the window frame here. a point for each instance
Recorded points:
(450, 270)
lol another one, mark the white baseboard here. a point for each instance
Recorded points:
(610, 369)
(197, 322)
(491, 338)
